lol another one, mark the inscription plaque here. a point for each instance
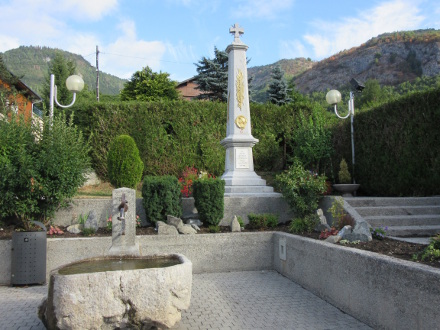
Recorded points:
(242, 158)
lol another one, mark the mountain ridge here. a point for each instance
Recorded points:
(390, 58)
(31, 65)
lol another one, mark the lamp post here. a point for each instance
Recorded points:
(74, 83)
(333, 97)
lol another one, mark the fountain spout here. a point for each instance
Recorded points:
(124, 223)
(123, 208)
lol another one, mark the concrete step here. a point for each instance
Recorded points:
(366, 211)
(413, 231)
(406, 220)
(392, 201)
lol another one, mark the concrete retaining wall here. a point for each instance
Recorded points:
(383, 292)
(207, 252)
(240, 206)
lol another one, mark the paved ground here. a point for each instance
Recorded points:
(237, 300)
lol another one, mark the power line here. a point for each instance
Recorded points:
(145, 58)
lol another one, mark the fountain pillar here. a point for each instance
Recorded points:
(124, 223)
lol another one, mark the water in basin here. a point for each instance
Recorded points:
(115, 264)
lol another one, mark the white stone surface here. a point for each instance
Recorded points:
(118, 299)
(239, 165)
(235, 225)
(124, 231)
(164, 229)
(187, 230)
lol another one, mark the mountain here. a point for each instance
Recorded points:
(390, 58)
(261, 75)
(31, 65)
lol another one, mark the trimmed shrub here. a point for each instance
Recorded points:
(209, 199)
(161, 197)
(262, 221)
(123, 162)
(343, 174)
(301, 189)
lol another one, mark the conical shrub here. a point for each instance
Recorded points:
(124, 165)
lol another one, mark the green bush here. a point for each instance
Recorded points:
(343, 174)
(432, 251)
(393, 157)
(161, 197)
(311, 140)
(301, 189)
(262, 221)
(304, 225)
(41, 167)
(123, 163)
(209, 199)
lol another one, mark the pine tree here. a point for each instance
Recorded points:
(278, 91)
(212, 77)
(62, 69)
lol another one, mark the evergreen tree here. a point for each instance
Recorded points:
(294, 94)
(278, 91)
(373, 94)
(146, 85)
(62, 69)
(212, 77)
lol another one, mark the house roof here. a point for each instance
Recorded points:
(186, 81)
(9, 78)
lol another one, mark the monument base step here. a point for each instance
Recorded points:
(247, 190)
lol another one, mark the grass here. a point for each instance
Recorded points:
(102, 190)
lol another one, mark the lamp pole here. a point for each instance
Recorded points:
(74, 83)
(333, 97)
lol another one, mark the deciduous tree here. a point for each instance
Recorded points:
(146, 85)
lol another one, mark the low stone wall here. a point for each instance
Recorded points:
(383, 292)
(207, 252)
(240, 206)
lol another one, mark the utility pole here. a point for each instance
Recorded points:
(97, 73)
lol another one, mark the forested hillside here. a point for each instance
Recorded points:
(31, 64)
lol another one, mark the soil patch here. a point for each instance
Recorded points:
(389, 247)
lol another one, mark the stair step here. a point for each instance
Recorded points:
(392, 201)
(366, 211)
(406, 220)
(412, 231)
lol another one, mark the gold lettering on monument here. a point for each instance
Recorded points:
(240, 88)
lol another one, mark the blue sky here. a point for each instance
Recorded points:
(171, 35)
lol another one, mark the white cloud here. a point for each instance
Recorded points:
(7, 42)
(181, 52)
(127, 54)
(292, 49)
(87, 9)
(389, 16)
(261, 8)
(44, 22)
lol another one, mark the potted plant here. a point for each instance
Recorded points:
(345, 186)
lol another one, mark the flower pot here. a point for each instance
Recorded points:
(28, 264)
(347, 189)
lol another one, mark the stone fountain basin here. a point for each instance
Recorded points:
(139, 298)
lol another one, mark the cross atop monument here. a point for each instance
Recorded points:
(236, 30)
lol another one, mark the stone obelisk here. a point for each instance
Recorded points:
(239, 176)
